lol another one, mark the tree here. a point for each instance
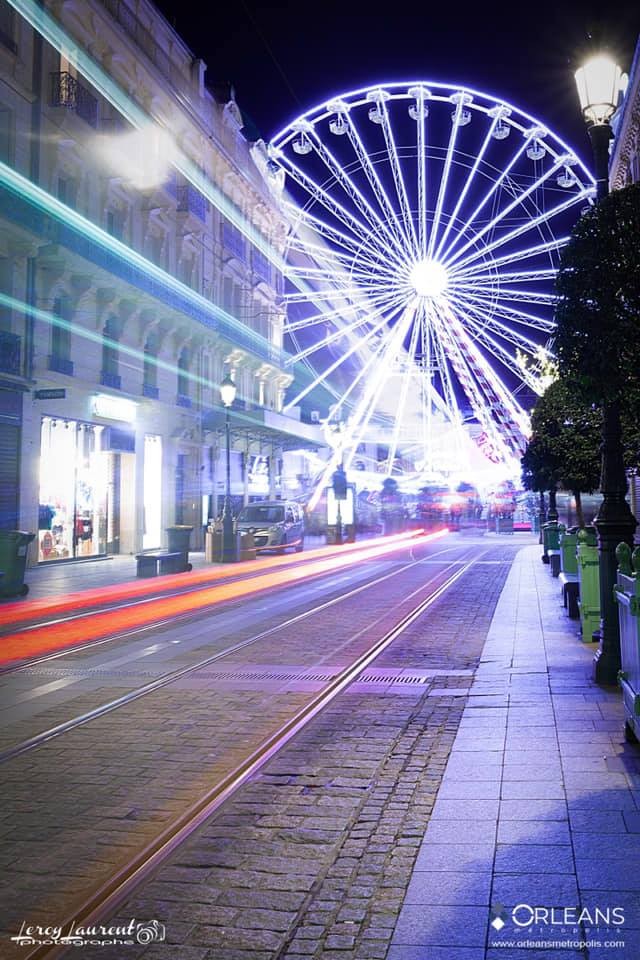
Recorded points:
(568, 434)
(598, 311)
(598, 347)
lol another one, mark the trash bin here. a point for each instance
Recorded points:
(627, 595)
(13, 560)
(179, 536)
(551, 543)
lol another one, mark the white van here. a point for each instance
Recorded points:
(275, 524)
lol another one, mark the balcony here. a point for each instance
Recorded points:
(150, 390)
(67, 91)
(113, 380)
(61, 365)
(190, 200)
(9, 353)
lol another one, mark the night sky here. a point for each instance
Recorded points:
(284, 58)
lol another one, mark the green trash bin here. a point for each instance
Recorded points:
(13, 560)
(179, 536)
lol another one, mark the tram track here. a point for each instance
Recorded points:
(170, 609)
(58, 730)
(104, 900)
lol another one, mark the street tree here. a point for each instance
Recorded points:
(569, 430)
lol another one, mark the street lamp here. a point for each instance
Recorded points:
(600, 83)
(228, 395)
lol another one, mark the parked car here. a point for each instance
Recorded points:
(275, 524)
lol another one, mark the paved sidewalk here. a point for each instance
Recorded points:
(539, 805)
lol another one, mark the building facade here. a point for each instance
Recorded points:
(140, 245)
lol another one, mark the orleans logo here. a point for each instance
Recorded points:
(499, 916)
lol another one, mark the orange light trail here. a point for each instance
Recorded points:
(24, 611)
(25, 644)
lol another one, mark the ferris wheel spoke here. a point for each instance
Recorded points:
(335, 260)
(375, 384)
(535, 222)
(487, 280)
(341, 331)
(404, 392)
(514, 316)
(527, 253)
(512, 420)
(491, 193)
(326, 315)
(354, 194)
(401, 189)
(354, 225)
(444, 179)
(374, 181)
(481, 400)
(421, 94)
(515, 296)
(505, 211)
(481, 330)
(468, 182)
(321, 377)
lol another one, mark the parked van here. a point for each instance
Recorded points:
(275, 524)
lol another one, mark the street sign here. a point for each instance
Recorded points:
(57, 393)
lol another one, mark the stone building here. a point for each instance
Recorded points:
(140, 245)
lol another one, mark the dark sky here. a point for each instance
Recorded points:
(284, 57)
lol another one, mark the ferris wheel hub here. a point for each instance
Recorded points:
(429, 278)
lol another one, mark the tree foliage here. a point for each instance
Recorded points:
(564, 445)
(598, 311)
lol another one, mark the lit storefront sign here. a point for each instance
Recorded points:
(113, 408)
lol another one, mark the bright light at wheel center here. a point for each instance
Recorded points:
(429, 278)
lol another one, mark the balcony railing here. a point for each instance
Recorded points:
(113, 380)
(190, 200)
(67, 91)
(61, 365)
(150, 390)
(9, 353)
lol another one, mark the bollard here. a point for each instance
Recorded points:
(589, 579)
(627, 596)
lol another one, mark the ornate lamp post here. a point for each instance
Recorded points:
(228, 395)
(600, 83)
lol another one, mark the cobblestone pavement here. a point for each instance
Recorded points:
(313, 857)
(77, 807)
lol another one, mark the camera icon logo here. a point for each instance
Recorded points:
(150, 931)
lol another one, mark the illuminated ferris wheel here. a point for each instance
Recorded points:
(426, 224)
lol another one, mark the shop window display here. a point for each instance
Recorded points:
(72, 510)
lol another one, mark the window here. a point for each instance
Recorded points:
(150, 368)
(67, 191)
(115, 223)
(6, 134)
(184, 399)
(60, 357)
(110, 354)
(7, 26)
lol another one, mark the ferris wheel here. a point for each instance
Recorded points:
(426, 222)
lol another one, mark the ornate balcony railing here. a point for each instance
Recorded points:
(67, 91)
(190, 200)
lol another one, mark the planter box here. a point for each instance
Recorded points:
(589, 579)
(627, 595)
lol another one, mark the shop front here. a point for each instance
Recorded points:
(72, 512)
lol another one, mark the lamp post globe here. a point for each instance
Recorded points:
(228, 391)
(600, 83)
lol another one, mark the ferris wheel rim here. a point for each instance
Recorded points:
(485, 316)
(288, 131)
